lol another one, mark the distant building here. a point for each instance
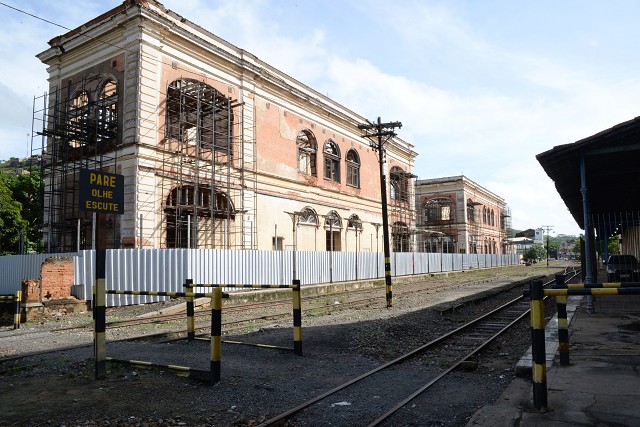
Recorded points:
(537, 235)
(520, 244)
(457, 215)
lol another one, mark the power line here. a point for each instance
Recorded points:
(142, 55)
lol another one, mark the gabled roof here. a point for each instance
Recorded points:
(611, 161)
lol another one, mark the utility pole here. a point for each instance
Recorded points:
(548, 229)
(378, 134)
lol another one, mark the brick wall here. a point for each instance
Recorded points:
(57, 278)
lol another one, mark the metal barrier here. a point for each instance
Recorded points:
(99, 315)
(560, 291)
(17, 298)
(297, 313)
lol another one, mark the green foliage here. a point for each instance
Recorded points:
(577, 247)
(21, 211)
(535, 252)
(11, 221)
(613, 245)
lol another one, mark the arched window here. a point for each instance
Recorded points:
(400, 235)
(107, 112)
(353, 168)
(331, 161)
(354, 223)
(333, 228)
(438, 210)
(439, 243)
(78, 118)
(197, 114)
(182, 202)
(307, 152)
(471, 210)
(473, 244)
(484, 215)
(308, 216)
(493, 218)
(399, 184)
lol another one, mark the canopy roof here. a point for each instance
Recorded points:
(612, 171)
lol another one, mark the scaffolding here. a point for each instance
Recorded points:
(74, 127)
(402, 216)
(208, 169)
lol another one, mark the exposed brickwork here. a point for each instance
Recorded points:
(31, 291)
(57, 278)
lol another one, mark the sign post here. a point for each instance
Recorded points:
(100, 193)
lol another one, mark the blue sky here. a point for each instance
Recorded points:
(481, 87)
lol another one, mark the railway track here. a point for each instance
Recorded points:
(281, 308)
(240, 317)
(428, 365)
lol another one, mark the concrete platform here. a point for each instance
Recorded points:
(601, 387)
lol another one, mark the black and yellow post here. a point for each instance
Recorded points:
(191, 323)
(18, 312)
(297, 318)
(99, 316)
(563, 322)
(538, 350)
(216, 334)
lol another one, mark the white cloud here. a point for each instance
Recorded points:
(468, 102)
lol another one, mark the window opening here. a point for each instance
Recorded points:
(191, 208)
(399, 184)
(331, 161)
(308, 216)
(437, 210)
(353, 169)
(400, 233)
(277, 243)
(307, 151)
(333, 227)
(107, 115)
(199, 115)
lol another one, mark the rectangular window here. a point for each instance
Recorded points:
(445, 213)
(353, 176)
(277, 243)
(332, 170)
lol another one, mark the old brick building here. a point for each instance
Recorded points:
(457, 215)
(217, 148)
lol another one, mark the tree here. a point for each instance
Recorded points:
(27, 189)
(535, 252)
(577, 247)
(11, 222)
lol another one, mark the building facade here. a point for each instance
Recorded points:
(456, 215)
(217, 148)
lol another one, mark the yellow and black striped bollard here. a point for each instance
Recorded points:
(99, 316)
(297, 318)
(216, 333)
(539, 363)
(191, 323)
(563, 322)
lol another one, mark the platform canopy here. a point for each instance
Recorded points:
(611, 167)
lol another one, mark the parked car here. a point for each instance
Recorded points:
(623, 268)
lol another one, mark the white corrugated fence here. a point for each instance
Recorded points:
(167, 269)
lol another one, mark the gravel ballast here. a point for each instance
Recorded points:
(257, 383)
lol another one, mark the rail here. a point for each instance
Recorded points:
(460, 344)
